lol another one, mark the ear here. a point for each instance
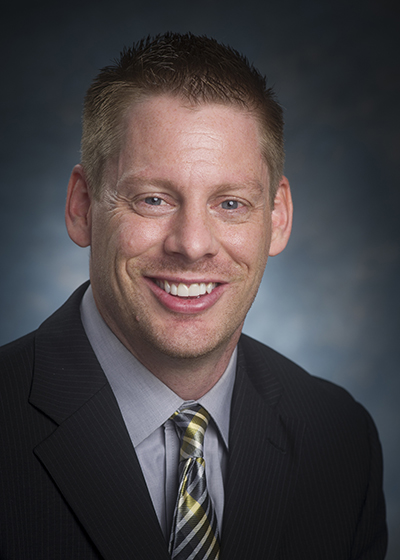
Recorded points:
(78, 208)
(281, 218)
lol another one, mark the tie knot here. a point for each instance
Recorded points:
(192, 422)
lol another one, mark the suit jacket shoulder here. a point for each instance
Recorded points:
(316, 465)
(71, 486)
(295, 388)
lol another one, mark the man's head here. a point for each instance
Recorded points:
(185, 221)
(197, 70)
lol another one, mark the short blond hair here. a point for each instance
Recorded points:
(197, 69)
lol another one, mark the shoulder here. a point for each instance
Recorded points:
(336, 444)
(17, 357)
(301, 394)
(16, 373)
(336, 425)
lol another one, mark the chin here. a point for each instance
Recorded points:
(191, 346)
(185, 351)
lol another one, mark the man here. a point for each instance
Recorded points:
(137, 421)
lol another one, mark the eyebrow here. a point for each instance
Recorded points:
(253, 185)
(139, 180)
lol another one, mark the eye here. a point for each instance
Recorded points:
(153, 200)
(153, 205)
(230, 204)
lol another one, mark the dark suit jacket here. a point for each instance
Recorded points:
(304, 476)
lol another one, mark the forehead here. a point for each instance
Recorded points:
(168, 135)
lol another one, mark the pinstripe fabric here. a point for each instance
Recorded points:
(194, 534)
(71, 486)
(304, 476)
(313, 489)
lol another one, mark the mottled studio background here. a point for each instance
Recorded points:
(331, 300)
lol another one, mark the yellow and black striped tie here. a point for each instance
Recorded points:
(194, 534)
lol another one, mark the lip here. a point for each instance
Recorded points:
(189, 305)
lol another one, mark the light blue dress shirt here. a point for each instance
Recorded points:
(147, 404)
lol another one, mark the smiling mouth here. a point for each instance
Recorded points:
(186, 290)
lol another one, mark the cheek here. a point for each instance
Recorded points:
(248, 244)
(135, 237)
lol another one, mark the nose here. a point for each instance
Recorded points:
(192, 235)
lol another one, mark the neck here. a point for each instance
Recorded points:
(189, 378)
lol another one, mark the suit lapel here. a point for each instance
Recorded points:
(264, 452)
(89, 455)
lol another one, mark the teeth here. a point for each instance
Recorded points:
(210, 287)
(194, 290)
(183, 290)
(186, 290)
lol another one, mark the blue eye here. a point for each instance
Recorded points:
(230, 205)
(153, 200)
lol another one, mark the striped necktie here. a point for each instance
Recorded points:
(194, 534)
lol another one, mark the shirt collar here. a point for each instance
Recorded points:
(146, 403)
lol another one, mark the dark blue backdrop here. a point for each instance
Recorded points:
(330, 301)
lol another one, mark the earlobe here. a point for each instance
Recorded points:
(78, 208)
(281, 218)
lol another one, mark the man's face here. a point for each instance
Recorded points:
(181, 234)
